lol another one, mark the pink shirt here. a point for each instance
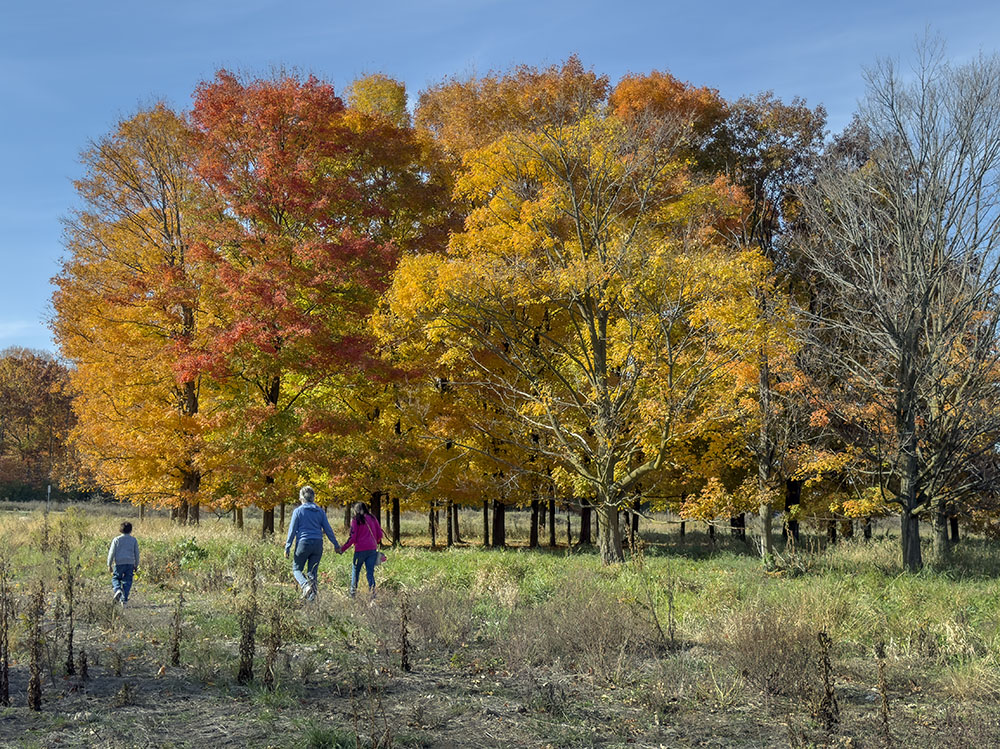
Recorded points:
(364, 536)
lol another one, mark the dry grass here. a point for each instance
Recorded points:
(684, 646)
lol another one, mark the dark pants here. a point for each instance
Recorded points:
(366, 559)
(121, 579)
(308, 552)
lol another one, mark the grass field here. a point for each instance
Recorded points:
(687, 644)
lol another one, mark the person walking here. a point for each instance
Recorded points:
(306, 529)
(123, 561)
(366, 534)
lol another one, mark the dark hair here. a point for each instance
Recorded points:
(360, 510)
(126, 527)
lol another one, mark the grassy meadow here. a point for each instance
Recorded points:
(690, 643)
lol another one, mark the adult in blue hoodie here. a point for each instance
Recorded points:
(306, 529)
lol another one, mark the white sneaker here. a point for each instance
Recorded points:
(118, 596)
(311, 590)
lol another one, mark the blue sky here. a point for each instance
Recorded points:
(69, 70)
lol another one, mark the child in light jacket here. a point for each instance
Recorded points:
(123, 561)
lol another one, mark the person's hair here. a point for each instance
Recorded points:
(360, 510)
(126, 527)
(307, 494)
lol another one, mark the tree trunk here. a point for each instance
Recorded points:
(793, 497)
(552, 522)
(585, 524)
(432, 524)
(454, 512)
(239, 517)
(683, 528)
(533, 532)
(347, 516)
(189, 489)
(450, 521)
(569, 529)
(636, 506)
(267, 526)
(542, 509)
(867, 528)
(953, 522)
(499, 524)
(486, 522)
(941, 550)
(847, 528)
(910, 472)
(281, 517)
(376, 504)
(738, 527)
(831, 531)
(912, 557)
(609, 536)
(395, 521)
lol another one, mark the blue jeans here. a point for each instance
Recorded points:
(308, 552)
(121, 579)
(366, 558)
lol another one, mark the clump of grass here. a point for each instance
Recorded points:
(125, 695)
(773, 649)
(582, 626)
(326, 737)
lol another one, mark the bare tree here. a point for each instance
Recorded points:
(904, 243)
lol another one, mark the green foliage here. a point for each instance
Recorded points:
(188, 551)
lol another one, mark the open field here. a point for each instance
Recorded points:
(688, 644)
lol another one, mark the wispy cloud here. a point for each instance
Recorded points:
(23, 332)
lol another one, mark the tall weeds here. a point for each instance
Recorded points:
(248, 629)
(6, 615)
(36, 610)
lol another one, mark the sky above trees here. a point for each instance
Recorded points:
(69, 71)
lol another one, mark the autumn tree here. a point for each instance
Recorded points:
(905, 241)
(294, 257)
(35, 417)
(127, 310)
(769, 148)
(591, 297)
